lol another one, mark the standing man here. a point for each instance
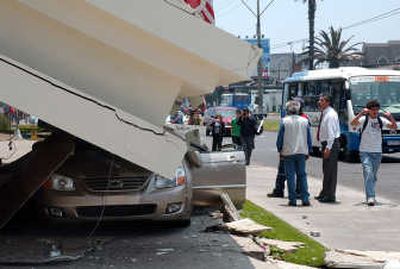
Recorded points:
(371, 144)
(328, 134)
(294, 145)
(236, 130)
(218, 130)
(278, 191)
(248, 129)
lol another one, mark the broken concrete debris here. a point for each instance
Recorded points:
(362, 259)
(283, 245)
(246, 226)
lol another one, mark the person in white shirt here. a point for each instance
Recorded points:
(371, 144)
(328, 134)
(294, 145)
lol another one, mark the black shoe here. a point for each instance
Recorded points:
(292, 204)
(275, 195)
(306, 204)
(318, 197)
(327, 200)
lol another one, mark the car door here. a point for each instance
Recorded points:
(219, 171)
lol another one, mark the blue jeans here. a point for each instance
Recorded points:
(296, 164)
(370, 163)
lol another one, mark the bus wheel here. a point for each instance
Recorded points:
(346, 155)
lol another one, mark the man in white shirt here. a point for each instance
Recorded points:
(328, 134)
(371, 144)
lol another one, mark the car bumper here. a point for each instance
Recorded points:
(167, 204)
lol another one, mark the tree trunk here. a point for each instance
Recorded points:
(312, 6)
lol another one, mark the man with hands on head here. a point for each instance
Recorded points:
(328, 134)
(371, 125)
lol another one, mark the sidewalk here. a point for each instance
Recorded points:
(348, 224)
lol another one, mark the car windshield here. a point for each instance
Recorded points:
(385, 89)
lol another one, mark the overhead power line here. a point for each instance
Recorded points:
(376, 18)
(379, 17)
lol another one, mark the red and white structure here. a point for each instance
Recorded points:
(203, 9)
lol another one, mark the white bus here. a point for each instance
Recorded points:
(350, 88)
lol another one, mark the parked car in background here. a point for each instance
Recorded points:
(227, 113)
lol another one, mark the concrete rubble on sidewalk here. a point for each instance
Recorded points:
(282, 245)
(246, 226)
(361, 259)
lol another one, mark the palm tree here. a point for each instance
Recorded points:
(329, 47)
(312, 7)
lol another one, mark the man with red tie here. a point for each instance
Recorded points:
(328, 134)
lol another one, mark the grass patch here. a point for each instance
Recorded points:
(271, 125)
(4, 124)
(312, 254)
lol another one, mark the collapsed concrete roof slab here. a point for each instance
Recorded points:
(135, 55)
(90, 119)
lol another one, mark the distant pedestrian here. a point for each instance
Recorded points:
(294, 145)
(279, 189)
(328, 134)
(371, 144)
(177, 117)
(217, 130)
(236, 130)
(248, 130)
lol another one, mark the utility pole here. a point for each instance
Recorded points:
(259, 66)
(258, 15)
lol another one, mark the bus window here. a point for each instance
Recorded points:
(290, 91)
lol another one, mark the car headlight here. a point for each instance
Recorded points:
(62, 183)
(178, 180)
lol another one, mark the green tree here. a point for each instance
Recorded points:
(312, 7)
(329, 47)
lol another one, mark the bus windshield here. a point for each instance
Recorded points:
(385, 89)
(226, 99)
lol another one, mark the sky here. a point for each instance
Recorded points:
(286, 20)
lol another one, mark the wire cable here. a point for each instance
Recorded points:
(103, 203)
(375, 18)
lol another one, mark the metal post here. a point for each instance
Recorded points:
(259, 69)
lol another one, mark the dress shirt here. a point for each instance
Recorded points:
(329, 127)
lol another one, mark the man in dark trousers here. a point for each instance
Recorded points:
(278, 191)
(248, 130)
(328, 134)
(218, 130)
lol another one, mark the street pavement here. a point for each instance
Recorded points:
(348, 224)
